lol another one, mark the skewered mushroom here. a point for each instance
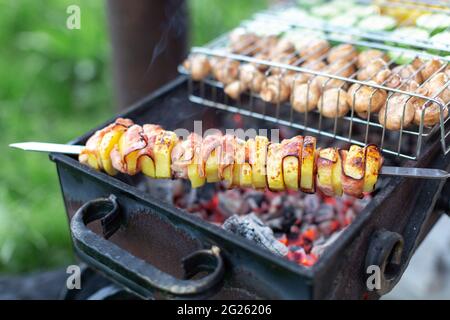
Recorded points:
(398, 108)
(198, 66)
(251, 77)
(438, 85)
(305, 96)
(407, 73)
(333, 103)
(345, 52)
(226, 70)
(372, 69)
(365, 98)
(366, 57)
(340, 68)
(428, 68)
(314, 49)
(235, 89)
(274, 89)
(241, 43)
(430, 111)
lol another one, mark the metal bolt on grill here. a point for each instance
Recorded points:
(406, 141)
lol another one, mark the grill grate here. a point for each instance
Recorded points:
(407, 142)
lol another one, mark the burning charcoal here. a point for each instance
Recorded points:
(254, 199)
(252, 228)
(289, 219)
(231, 202)
(328, 227)
(311, 203)
(162, 189)
(349, 216)
(360, 204)
(318, 250)
(324, 213)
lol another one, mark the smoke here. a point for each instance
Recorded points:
(173, 25)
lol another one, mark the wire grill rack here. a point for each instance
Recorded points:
(407, 142)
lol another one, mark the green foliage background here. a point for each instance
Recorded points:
(55, 84)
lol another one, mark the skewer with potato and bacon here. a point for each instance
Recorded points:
(293, 164)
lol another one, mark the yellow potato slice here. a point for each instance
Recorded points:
(374, 161)
(227, 176)
(325, 163)
(212, 167)
(109, 140)
(257, 149)
(337, 172)
(275, 181)
(353, 167)
(147, 166)
(239, 160)
(307, 172)
(291, 149)
(165, 141)
(290, 172)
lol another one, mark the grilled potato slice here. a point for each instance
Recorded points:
(194, 174)
(275, 181)
(245, 169)
(292, 150)
(307, 171)
(239, 160)
(245, 179)
(109, 140)
(89, 155)
(290, 172)
(257, 153)
(337, 172)
(227, 176)
(164, 144)
(374, 161)
(326, 161)
(212, 167)
(147, 166)
(227, 160)
(353, 168)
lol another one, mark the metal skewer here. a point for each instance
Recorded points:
(418, 173)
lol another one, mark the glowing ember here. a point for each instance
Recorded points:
(305, 223)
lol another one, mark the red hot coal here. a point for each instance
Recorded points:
(305, 223)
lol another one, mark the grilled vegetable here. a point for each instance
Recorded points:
(367, 56)
(374, 162)
(326, 160)
(308, 165)
(198, 66)
(257, 149)
(292, 164)
(109, 140)
(165, 141)
(398, 112)
(305, 97)
(292, 150)
(353, 169)
(365, 98)
(275, 180)
(333, 103)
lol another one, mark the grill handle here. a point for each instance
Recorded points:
(139, 275)
(385, 252)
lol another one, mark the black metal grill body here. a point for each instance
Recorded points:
(153, 234)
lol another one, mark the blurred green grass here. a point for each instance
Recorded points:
(55, 84)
